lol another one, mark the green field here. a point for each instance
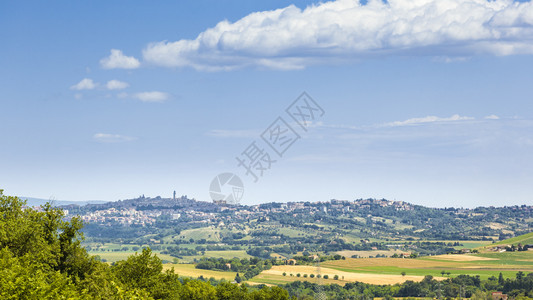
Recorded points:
(115, 256)
(208, 233)
(229, 254)
(522, 239)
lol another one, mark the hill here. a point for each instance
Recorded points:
(39, 201)
(525, 239)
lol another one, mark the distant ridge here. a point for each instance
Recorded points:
(38, 201)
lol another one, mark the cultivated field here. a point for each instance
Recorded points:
(275, 275)
(188, 270)
(389, 270)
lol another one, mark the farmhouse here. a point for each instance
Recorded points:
(498, 296)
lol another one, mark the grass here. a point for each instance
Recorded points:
(208, 233)
(472, 244)
(229, 254)
(523, 239)
(111, 246)
(349, 253)
(465, 244)
(123, 255)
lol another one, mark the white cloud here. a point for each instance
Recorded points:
(152, 96)
(492, 117)
(84, 84)
(117, 60)
(116, 85)
(428, 119)
(112, 138)
(291, 38)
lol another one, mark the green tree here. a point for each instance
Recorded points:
(519, 275)
(229, 291)
(238, 278)
(501, 281)
(195, 289)
(44, 247)
(139, 270)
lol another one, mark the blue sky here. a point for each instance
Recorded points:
(425, 101)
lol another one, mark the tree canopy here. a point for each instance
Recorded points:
(41, 258)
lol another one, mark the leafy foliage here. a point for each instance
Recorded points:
(41, 258)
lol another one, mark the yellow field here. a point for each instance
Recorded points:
(189, 270)
(464, 257)
(276, 273)
(364, 263)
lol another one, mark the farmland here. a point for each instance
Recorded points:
(367, 268)
(188, 270)
(389, 270)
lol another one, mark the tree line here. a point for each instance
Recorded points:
(463, 286)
